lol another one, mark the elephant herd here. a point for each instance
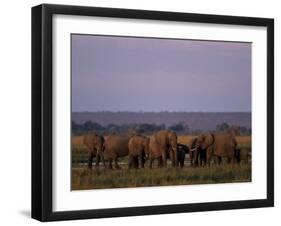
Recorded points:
(159, 147)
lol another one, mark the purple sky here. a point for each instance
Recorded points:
(143, 74)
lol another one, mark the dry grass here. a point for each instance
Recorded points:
(77, 140)
(83, 178)
(244, 141)
(94, 179)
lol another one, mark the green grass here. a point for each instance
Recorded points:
(102, 178)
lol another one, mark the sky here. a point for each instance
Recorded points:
(112, 73)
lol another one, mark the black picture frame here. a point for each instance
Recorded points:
(42, 106)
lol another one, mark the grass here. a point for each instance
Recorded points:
(82, 178)
(101, 178)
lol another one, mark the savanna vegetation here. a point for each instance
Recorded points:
(84, 178)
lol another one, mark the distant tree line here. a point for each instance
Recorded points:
(89, 126)
(148, 128)
(242, 130)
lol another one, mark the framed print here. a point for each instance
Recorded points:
(145, 112)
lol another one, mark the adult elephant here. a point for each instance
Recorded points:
(164, 143)
(94, 143)
(154, 152)
(218, 145)
(197, 155)
(116, 146)
(138, 145)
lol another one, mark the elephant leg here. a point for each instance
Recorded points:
(176, 158)
(116, 164)
(215, 160)
(104, 164)
(182, 162)
(172, 157)
(160, 162)
(196, 157)
(208, 158)
(164, 159)
(130, 162)
(141, 160)
(136, 161)
(150, 163)
(204, 157)
(231, 160)
(247, 159)
(97, 160)
(200, 158)
(219, 160)
(102, 159)
(237, 154)
(90, 160)
(228, 160)
(110, 164)
(183, 158)
(191, 160)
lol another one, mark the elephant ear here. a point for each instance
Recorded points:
(208, 140)
(147, 140)
(172, 138)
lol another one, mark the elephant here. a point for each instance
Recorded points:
(94, 143)
(197, 152)
(192, 150)
(181, 151)
(243, 155)
(138, 145)
(116, 146)
(154, 152)
(162, 144)
(183, 147)
(218, 145)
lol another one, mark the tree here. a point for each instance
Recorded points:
(76, 128)
(92, 126)
(222, 127)
(180, 127)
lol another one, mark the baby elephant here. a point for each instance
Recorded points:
(138, 146)
(182, 150)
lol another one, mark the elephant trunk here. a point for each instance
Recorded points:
(196, 155)
(175, 156)
(100, 153)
